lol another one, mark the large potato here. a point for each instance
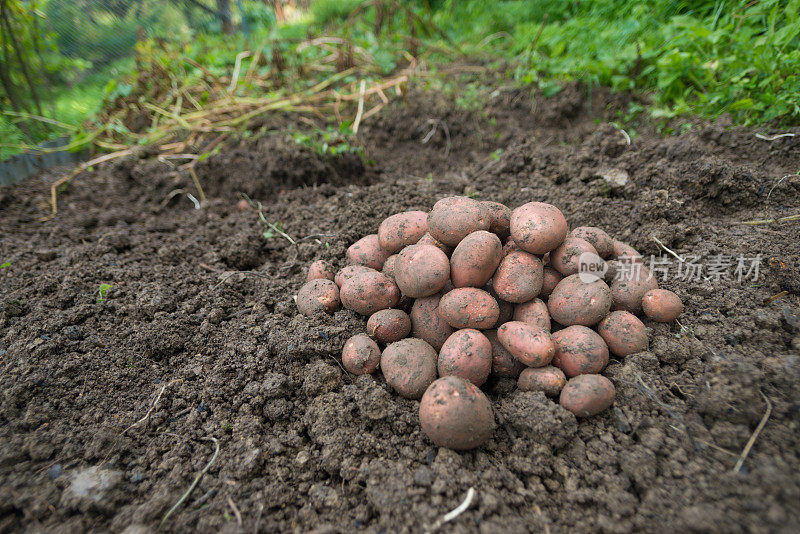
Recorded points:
(421, 270)
(469, 307)
(360, 355)
(427, 324)
(519, 277)
(453, 218)
(350, 271)
(598, 238)
(528, 344)
(318, 296)
(320, 269)
(499, 218)
(535, 313)
(467, 353)
(579, 351)
(624, 333)
(550, 280)
(475, 259)
(538, 227)
(587, 395)
(662, 305)
(548, 379)
(504, 364)
(402, 229)
(409, 367)
(388, 326)
(574, 301)
(367, 251)
(369, 292)
(455, 414)
(566, 258)
(632, 282)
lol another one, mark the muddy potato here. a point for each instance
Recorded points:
(587, 395)
(469, 307)
(518, 277)
(388, 326)
(550, 279)
(499, 219)
(530, 345)
(624, 333)
(509, 247)
(369, 292)
(535, 313)
(504, 364)
(467, 354)
(453, 218)
(428, 239)
(548, 379)
(402, 229)
(421, 270)
(625, 251)
(630, 285)
(579, 351)
(475, 259)
(598, 238)
(574, 301)
(565, 259)
(538, 227)
(662, 305)
(317, 296)
(320, 270)
(361, 355)
(426, 323)
(346, 273)
(455, 414)
(388, 265)
(409, 367)
(367, 251)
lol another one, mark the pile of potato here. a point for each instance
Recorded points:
(473, 288)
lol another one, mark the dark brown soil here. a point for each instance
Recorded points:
(303, 445)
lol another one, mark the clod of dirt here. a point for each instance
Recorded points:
(534, 417)
(89, 489)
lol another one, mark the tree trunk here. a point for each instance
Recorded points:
(18, 52)
(224, 14)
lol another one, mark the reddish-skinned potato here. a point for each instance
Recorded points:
(388, 265)
(388, 326)
(535, 313)
(574, 301)
(409, 367)
(469, 307)
(318, 296)
(346, 273)
(624, 251)
(320, 270)
(361, 355)
(530, 345)
(630, 284)
(428, 239)
(369, 292)
(565, 259)
(579, 351)
(624, 333)
(509, 247)
(587, 395)
(662, 305)
(499, 219)
(550, 279)
(519, 277)
(598, 238)
(426, 323)
(453, 218)
(475, 259)
(548, 379)
(402, 229)
(455, 414)
(504, 364)
(538, 227)
(421, 270)
(467, 354)
(367, 251)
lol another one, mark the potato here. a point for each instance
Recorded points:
(388, 326)
(623, 250)
(598, 238)
(587, 395)
(499, 218)
(662, 305)
(538, 227)
(426, 323)
(469, 307)
(369, 292)
(421, 270)
(509, 247)
(453, 218)
(367, 251)
(528, 344)
(320, 270)
(574, 301)
(388, 265)
(455, 414)
(565, 259)
(428, 239)
(535, 313)
(317, 296)
(361, 355)
(475, 259)
(519, 277)
(579, 351)
(409, 367)
(633, 280)
(504, 364)
(624, 333)
(402, 229)
(550, 279)
(548, 379)
(466, 353)
(350, 271)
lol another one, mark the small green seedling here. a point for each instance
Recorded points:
(102, 292)
(4, 265)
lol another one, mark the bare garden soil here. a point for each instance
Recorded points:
(200, 312)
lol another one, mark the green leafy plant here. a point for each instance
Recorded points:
(102, 292)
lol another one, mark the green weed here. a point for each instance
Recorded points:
(102, 292)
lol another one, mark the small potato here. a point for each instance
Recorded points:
(350, 271)
(548, 379)
(574, 301)
(535, 313)
(466, 353)
(538, 227)
(369, 292)
(455, 414)
(509, 247)
(367, 251)
(421, 270)
(317, 296)
(528, 344)
(475, 259)
(519, 277)
(361, 355)
(320, 270)
(622, 250)
(409, 367)
(453, 218)
(504, 364)
(426, 323)
(579, 351)
(598, 238)
(428, 239)
(388, 265)
(633, 280)
(624, 333)
(662, 305)
(402, 229)
(587, 395)
(499, 218)
(388, 326)
(469, 307)
(565, 259)
(550, 280)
